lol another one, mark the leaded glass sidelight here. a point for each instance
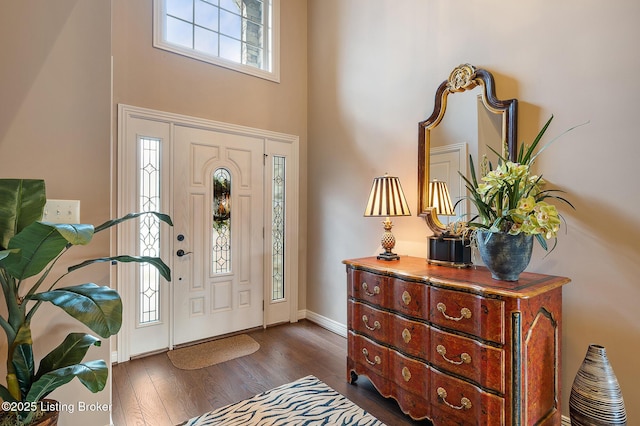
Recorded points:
(221, 232)
(278, 216)
(149, 229)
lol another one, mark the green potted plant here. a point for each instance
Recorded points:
(29, 251)
(513, 207)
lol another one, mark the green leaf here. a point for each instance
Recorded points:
(5, 253)
(164, 270)
(92, 374)
(71, 351)
(526, 159)
(40, 243)
(21, 203)
(5, 394)
(97, 307)
(542, 241)
(553, 140)
(108, 224)
(23, 366)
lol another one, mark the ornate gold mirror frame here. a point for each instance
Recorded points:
(463, 78)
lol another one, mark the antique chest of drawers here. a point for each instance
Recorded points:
(455, 346)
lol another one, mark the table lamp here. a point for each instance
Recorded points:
(386, 200)
(446, 247)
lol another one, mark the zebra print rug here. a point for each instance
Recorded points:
(307, 401)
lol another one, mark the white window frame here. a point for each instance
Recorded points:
(271, 43)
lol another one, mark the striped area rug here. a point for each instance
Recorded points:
(307, 401)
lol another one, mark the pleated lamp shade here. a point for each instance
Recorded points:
(440, 199)
(387, 198)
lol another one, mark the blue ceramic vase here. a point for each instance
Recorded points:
(505, 255)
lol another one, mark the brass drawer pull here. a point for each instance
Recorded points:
(465, 358)
(465, 402)
(376, 359)
(406, 298)
(406, 335)
(464, 312)
(406, 374)
(376, 324)
(365, 287)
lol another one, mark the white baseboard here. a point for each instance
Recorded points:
(324, 322)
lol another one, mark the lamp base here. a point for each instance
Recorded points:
(388, 256)
(449, 251)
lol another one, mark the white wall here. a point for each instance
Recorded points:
(374, 66)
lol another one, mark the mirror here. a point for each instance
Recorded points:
(476, 119)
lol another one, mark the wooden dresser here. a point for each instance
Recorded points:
(454, 345)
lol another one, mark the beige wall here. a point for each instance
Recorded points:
(55, 124)
(373, 70)
(373, 67)
(156, 79)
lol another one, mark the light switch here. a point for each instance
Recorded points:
(62, 211)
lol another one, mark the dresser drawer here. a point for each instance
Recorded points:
(456, 402)
(370, 287)
(409, 298)
(411, 337)
(409, 374)
(370, 321)
(483, 364)
(368, 354)
(469, 313)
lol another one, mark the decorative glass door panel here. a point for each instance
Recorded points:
(221, 229)
(278, 228)
(149, 229)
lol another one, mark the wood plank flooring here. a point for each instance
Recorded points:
(151, 391)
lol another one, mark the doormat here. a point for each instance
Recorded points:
(214, 352)
(307, 401)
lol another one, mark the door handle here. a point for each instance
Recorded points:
(181, 253)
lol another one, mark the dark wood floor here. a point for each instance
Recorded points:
(151, 391)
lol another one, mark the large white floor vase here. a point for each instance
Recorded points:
(596, 398)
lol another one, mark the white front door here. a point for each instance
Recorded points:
(218, 228)
(232, 193)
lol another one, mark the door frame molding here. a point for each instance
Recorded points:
(127, 293)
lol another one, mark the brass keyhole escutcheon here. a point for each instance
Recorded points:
(406, 298)
(406, 335)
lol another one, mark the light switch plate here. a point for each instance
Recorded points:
(62, 211)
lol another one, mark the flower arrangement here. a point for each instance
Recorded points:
(510, 199)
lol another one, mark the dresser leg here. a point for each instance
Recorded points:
(353, 377)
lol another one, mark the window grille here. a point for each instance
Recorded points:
(237, 34)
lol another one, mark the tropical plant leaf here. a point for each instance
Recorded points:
(21, 203)
(162, 267)
(5, 253)
(97, 307)
(40, 243)
(92, 374)
(23, 366)
(71, 351)
(108, 224)
(5, 394)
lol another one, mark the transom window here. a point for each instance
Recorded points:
(236, 34)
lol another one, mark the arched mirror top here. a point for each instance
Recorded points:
(464, 78)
